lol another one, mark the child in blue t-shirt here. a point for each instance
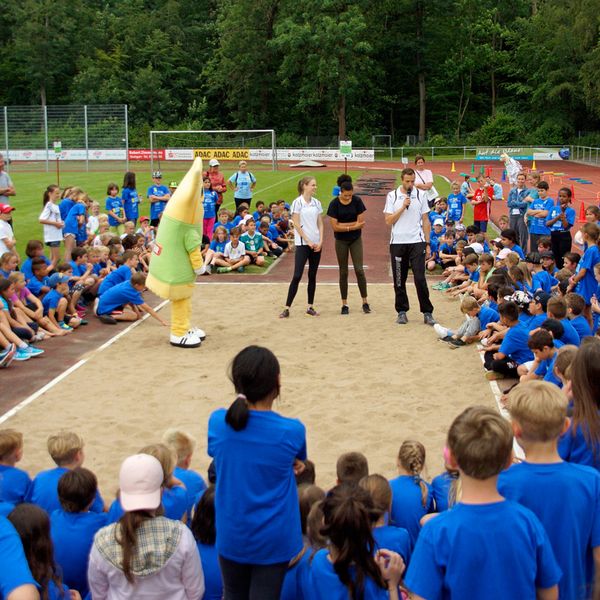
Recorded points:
(183, 444)
(73, 526)
(556, 491)
(560, 219)
(124, 302)
(203, 528)
(557, 309)
(114, 209)
(540, 279)
(595, 301)
(131, 198)
(121, 273)
(411, 495)
(270, 236)
(75, 231)
(456, 202)
(210, 201)
(584, 281)
(575, 309)
(486, 546)
(55, 304)
(216, 249)
(444, 487)
(158, 195)
(66, 450)
(14, 482)
(541, 343)
(537, 214)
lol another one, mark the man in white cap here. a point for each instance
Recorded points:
(217, 180)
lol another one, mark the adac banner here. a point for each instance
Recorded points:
(522, 153)
(223, 153)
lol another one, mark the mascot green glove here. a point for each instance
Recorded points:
(176, 257)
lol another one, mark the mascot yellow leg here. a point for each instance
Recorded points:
(181, 312)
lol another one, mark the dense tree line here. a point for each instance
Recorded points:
(480, 71)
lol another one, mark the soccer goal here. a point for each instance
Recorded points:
(382, 145)
(256, 145)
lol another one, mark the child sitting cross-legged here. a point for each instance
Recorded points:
(471, 264)
(486, 546)
(564, 496)
(215, 250)
(234, 256)
(541, 343)
(55, 304)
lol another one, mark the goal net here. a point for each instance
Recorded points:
(254, 145)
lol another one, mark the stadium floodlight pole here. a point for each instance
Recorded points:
(191, 131)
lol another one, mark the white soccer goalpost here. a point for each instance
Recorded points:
(378, 142)
(222, 144)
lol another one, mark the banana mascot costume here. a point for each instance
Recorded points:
(176, 257)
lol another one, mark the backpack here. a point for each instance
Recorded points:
(251, 177)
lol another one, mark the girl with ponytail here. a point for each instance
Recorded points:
(411, 495)
(256, 453)
(350, 568)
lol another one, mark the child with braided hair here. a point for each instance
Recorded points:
(411, 495)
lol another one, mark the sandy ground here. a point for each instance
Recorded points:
(358, 382)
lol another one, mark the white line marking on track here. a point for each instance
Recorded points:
(13, 411)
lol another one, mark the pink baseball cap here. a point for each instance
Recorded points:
(503, 253)
(140, 483)
(6, 208)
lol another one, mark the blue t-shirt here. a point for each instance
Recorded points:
(295, 582)
(546, 371)
(50, 301)
(587, 286)
(216, 246)
(514, 344)
(26, 266)
(213, 582)
(120, 275)
(434, 215)
(532, 322)
(35, 285)
(256, 501)
(72, 535)
(440, 489)
(487, 315)
(324, 583)
(516, 248)
(117, 296)
(570, 336)
(114, 204)
(14, 571)
(407, 504)
(194, 485)
(174, 501)
(574, 448)
(14, 484)
(44, 491)
(456, 203)
(558, 226)
(157, 208)
(486, 551)
(210, 204)
(566, 499)
(396, 539)
(581, 326)
(243, 181)
(71, 222)
(131, 203)
(474, 276)
(542, 281)
(78, 269)
(538, 224)
(229, 226)
(66, 204)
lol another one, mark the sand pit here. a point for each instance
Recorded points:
(358, 382)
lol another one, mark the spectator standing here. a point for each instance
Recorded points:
(217, 180)
(130, 197)
(519, 200)
(7, 187)
(158, 195)
(424, 180)
(242, 183)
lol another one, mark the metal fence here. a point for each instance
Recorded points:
(586, 154)
(89, 135)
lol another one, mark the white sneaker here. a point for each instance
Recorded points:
(197, 332)
(188, 340)
(201, 270)
(441, 332)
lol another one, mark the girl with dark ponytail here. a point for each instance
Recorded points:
(256, 454)
(350, 567)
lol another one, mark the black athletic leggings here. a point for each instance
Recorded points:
(252, 582)
(505, 366)
(304, 253)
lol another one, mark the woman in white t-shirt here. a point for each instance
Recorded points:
(53, 224)
(424, 180)
(307, 216)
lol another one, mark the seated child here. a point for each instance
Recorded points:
(254, 244)
(120, 274)
(503, 222)
(55, 304)
(270, 238)
(595, 304)
(446, 250)
(445, 487)
(509, 239)
(351, 467)
(14, 482)
(73, 526)
(486, 270)
(234, 256)
(476, 318)
(471, 265)
(215, 250)
(575, 308)
(38, 284)
(128, 229)
(66, 450)
(571, 261)
(505, 541)
(124, 302)
(557, 309)
(411, 495)
(541, 343)
(183, 444)
(260, 211)
(8, 264)
(540, 279)
(545, 484)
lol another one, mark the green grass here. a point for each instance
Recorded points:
(271, 186)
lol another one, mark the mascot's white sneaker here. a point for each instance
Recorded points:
(187, 340)
(197, 332)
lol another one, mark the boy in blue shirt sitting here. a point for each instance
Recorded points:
(557, 309)
(575, 308)
(564, 496)
(541, 343)
(55, 303)
(73, 526)
(124, 302)
(66, 450)
(486, 547)
(14, 482)
(120, 274)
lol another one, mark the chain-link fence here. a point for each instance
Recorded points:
(81, 137)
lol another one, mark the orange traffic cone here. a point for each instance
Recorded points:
(533, 166)
(453, 169)
(581, 218)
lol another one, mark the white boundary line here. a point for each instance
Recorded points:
(13, 411)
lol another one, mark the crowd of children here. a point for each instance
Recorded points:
(490, 526)
(106, 255)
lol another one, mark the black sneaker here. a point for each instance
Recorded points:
(107, 319)
(457, 342)
(428, 319)
(447, 339)
(345, 310)
(402, 318)
(366, 308)
(284, 314)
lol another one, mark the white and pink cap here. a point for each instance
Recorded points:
(140, 482)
